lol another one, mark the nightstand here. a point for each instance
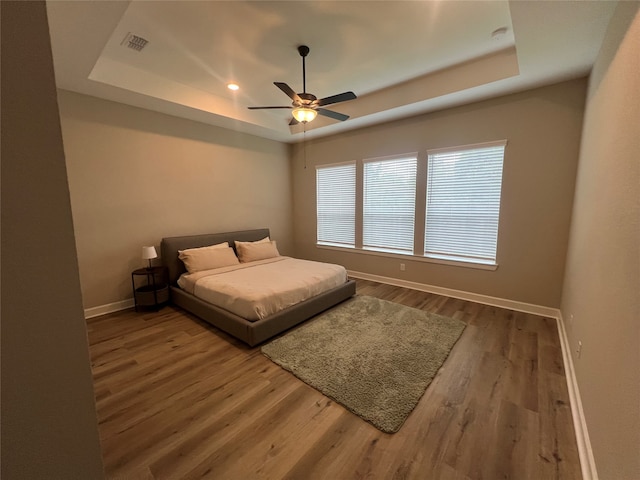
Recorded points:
(150, 287)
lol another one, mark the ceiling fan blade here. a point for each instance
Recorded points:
(328, 113)
(262, 108)
(341, 97)
(293, 121)
(288, 90)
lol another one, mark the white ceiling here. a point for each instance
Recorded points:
(401, 58)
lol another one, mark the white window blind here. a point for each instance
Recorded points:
(463, 202)
(336, 204)
(389, 204)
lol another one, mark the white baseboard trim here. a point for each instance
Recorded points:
(462, 295)
(108, 308)
(587, 461)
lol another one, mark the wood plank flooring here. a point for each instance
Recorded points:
(178, 399)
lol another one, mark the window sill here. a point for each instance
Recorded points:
(412, 257)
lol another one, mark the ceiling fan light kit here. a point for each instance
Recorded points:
(304, 115)
(306, 106)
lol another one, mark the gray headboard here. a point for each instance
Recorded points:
(170, 246)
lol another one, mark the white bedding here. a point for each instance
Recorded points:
(256, 290)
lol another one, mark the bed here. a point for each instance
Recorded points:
(252, 331)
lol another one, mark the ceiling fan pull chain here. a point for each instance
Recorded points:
(304, 144)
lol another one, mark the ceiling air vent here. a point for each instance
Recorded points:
(134, 42)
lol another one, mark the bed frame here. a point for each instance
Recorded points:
(250, 332)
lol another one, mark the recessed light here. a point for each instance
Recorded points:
(499, 33)
(233, 86)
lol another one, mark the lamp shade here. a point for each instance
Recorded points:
(149, 252)
(303, 114)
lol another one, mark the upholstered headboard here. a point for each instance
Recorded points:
(170, 246)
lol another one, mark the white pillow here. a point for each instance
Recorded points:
(252, 251)
(206, 258)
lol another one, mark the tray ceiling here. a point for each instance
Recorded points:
(400, 58)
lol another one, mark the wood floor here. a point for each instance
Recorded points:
(178, 399)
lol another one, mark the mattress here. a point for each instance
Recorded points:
(256, 290)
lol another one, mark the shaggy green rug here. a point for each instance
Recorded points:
(375, 357)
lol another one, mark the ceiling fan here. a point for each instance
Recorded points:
(305, 105)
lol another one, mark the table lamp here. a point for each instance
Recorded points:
(148, 253)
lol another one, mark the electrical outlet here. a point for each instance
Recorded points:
(579, 349)
(402, 267)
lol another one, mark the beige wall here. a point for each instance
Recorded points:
(49, 426)
(136, 176)
(542, 127)
(602, 283)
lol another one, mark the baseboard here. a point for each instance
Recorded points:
(462, 295)
(108, 308)
(587, 461)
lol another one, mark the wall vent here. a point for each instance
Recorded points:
(134, 42)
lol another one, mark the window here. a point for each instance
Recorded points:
(442, 206)
(463, 202)
(389, 194)
(336, 204)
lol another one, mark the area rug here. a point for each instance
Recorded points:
(374, 357)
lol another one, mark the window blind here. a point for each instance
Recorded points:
(463, 203)
(336, 204)
(389, 204)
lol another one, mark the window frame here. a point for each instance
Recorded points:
(472, 252)
(368, 161)
(337, 244)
